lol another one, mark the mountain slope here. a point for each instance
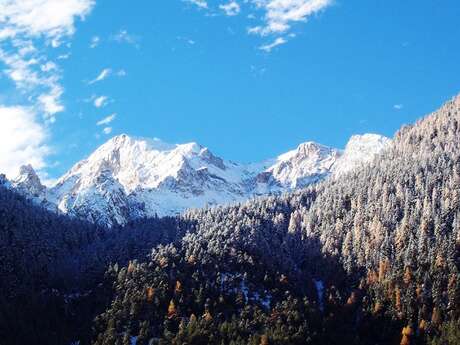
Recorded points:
(52, 268)
(129, 178)
(372, 258)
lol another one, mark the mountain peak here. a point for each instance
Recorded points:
(367, 139)
(27, 170)
(312, 148)
(27, 173)
(306, 164)
(126, 141)
(28, 181)
(360, 149)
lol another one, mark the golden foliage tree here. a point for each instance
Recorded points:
(150, 294)
(407, 275)
(131, 267)
(172, 309)
(398, 299)
(436, 316)
(207, 316)
(178, 288)
(264, 340)
(406, 334)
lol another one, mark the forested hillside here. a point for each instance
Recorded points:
(370, 258)
(383, 243)
(52, 268)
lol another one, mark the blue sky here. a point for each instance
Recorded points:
(209, 71)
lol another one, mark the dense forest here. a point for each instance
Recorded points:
(52, 268)
(369, 258)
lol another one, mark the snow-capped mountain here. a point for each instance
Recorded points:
(128, 178)
(360, 150)
(28, 184)
(309, 163)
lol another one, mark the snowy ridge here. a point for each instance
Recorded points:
(360, 149)
(307, 164)
(28, 184)
(128, 178)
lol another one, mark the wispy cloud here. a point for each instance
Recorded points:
(22, 24)
(277, 42)
(104, 74)
(123, 36)
(272, 18)
(199, 3)
(258, 70)
(398, 106)
(231, 8)
(106, 120)
(51, 101)
(281, 14)
(100, 101)
(95, 40)
(33, 75)
(187, 40)
(49, 66)
(107, 130)
(28, 30)
(64, 56)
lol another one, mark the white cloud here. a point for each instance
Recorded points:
(51, 102)
(231, 8)
(23, 24)
(187, 40)
(107, 130)
(52, 19)
(277, 42)
(273, 18)
(22, 140)
(104, 74)
(280, 14)
(199, 3)
(95, 41)
(398, 106)
(22, 67)
(64, 56)
(106, 120)
(28, 30)
(123, 36)
(49, 66)
(100, 101)
(258, 70)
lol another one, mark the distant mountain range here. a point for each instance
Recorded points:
(128, 178)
